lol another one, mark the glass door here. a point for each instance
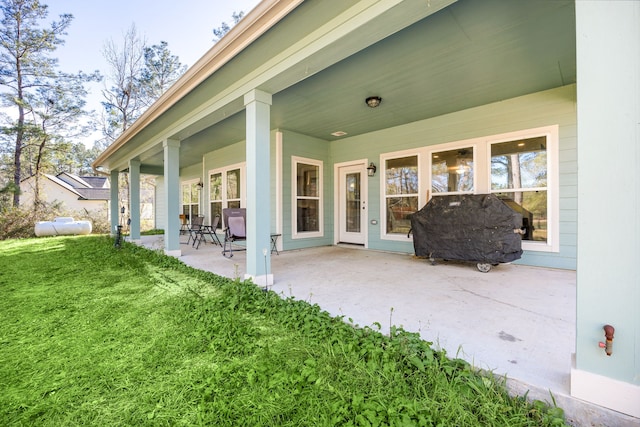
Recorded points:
(352, 205)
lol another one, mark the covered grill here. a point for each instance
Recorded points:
(474, 227)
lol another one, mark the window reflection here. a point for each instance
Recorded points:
(452, 171)
(233, 184)
(190, 200)
(519, 178)
(401, 191)
(225, 191)
(519, 164)
(307, 195)
(352, 203)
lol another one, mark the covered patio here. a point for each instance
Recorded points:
(516, 320)
(275, 119)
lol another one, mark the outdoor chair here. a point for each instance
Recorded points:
(208, 230)
(184, 224)
(194, 228)
(235, 220)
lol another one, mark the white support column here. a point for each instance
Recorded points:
(258, 108)
(114, 208)
(134, 200)
(172, 195)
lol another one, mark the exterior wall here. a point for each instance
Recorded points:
(229, 155)
(225, 156)
(608, 47)
(159, 205)
(556, 106)
(189, 173)
(295, 144)
(51, 192)
(235, 154)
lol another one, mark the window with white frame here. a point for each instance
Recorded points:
(452, 171)
(226, 190)
(519, 171)
(190, 199)
(519, 167)
(401, 189)
(307, 197)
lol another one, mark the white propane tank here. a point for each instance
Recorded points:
(61, 226)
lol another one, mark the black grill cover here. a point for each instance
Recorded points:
(478, 228)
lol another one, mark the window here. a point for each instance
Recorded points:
(190, 199)
(401, 188)
(225, 190)
(519, 167)
(452, 171)
(519, 178)
(215, 196)
(307, 203)
(233, 188)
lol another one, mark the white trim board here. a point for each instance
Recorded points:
(610, 393)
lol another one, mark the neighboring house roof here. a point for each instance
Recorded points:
(82, 181)
(94, 193)
(86, 187)
(73, 180)
(96, 181)
(63, 184)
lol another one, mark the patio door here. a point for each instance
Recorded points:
(352, 209)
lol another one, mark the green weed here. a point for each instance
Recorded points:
(91, 335)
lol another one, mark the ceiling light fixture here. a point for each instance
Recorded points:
(373, 101)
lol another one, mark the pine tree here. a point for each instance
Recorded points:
(43, 103)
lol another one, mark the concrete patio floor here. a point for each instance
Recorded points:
(515, 321)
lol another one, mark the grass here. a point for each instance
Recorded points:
(92, 335)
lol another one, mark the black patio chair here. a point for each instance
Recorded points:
(235, 221)
(194, 228)
(208, 230)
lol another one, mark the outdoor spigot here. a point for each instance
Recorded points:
(608, 335)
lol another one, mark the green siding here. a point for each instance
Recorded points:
(556, 106)
(226, 156)
(298, 145)
(191, 172)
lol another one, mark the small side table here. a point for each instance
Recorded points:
(274, 243)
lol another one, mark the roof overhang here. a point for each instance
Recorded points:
(257, 21)
(320, 60)
(331, 35)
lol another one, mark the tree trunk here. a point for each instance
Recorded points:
(36, 193)
(19, 137)
(514, 163)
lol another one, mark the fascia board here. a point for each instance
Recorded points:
(260, 19)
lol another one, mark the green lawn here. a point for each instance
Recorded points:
(93, 335)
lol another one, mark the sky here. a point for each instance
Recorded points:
(187, 26)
